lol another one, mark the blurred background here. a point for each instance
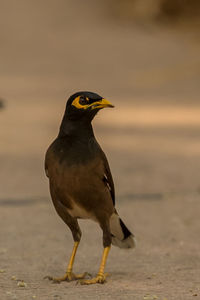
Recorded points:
(141, 55)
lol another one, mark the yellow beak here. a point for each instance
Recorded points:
(101, 104)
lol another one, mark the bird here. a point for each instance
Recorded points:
(81, 183)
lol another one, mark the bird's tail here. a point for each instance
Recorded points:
(121, 236)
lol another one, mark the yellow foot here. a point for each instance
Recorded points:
(69, 276)
(100, 278)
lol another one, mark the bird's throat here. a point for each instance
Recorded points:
(76, 128)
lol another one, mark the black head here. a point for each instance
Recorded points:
(80, 110)
(85, 105)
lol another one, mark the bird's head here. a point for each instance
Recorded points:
(85, 105)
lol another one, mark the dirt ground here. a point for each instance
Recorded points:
(151, 139)
(165, 264)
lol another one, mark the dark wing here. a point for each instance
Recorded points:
(108, 177)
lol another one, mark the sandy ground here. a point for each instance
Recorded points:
(156, 172)
(49, 50)
(165, 264)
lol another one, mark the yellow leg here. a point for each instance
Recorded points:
(71, 261)
(101, 276)
(69, 276)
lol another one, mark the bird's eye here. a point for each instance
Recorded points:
(83, 100)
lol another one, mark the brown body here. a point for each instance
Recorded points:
(78, 190)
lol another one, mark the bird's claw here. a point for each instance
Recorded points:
(69, 276)
(100, 278)
(54, 280)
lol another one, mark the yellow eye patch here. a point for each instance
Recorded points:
(77, 104)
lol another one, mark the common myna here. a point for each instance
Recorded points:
(81, 183)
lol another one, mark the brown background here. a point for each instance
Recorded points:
(145, 59)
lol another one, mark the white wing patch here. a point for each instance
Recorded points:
(79, 212)
(46, 172)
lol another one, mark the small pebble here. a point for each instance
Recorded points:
(2, 271)
(57, 297)
(150, 297)
(22, 284)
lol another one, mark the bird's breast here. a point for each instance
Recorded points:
(77, 181)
